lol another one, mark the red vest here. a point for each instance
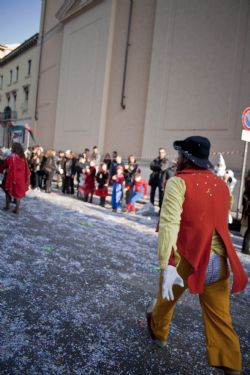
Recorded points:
(205, 209)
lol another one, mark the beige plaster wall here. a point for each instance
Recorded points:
(124, 128)
(49, 75)
(84, 78)
(52, 6)
(199, 57)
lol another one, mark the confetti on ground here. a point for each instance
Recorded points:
(81, 310)
(141, 322)
(48, 248)
(86, 223)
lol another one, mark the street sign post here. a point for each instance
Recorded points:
(245, 136)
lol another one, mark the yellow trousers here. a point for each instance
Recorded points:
(222, 342)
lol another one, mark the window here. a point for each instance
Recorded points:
(10, 77)
(26, 99)
(17, 73)
(8, 99)
(1, 81)
(26, 93)
(14, 100)
(29, 68)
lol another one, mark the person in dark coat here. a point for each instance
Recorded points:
(107, 160)
(48, 168)
(35, 168)
(246, 215)
(102, 179)
(157, 178)
(81, 164)
(69, 173)
(59, 160)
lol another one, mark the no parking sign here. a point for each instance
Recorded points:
(246, 118)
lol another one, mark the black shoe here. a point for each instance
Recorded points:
(159, 343)
(231, 372)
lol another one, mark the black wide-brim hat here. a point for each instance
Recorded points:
(195, 149)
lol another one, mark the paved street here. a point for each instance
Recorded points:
(74, 283)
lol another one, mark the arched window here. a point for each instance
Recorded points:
(7, 113)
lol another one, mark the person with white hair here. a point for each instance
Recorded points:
(230, 180)
(220, 168)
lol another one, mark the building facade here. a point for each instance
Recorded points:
(134, 75)
(18, 86)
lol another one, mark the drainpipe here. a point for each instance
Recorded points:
(41, 34)
(123, 96)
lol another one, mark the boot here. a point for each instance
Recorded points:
(227, 371)
(102, 201)
(7, 200)
(157, 342)
(17, 208)
(246, 243)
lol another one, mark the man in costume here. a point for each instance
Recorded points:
(193, 248)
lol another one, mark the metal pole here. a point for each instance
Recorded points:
(242, 180)
(123, 97)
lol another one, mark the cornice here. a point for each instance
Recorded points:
(72, 8)
(31, 42)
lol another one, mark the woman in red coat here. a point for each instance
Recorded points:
(89, 184)
(16, 180)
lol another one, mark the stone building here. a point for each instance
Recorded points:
(135, 75)
(18, 85)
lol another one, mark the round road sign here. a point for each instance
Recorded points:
(246, 118)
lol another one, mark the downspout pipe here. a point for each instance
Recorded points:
(41, 34)
(123, 96)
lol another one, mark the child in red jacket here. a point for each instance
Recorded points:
(140, 190)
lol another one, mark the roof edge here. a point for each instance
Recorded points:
(31, 42)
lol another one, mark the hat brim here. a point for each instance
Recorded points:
(202, 163)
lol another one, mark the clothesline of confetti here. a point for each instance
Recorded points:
(171, 156)
(234, 152)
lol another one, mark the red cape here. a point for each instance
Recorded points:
(17, 179)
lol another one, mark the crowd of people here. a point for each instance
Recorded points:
(88, 174)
